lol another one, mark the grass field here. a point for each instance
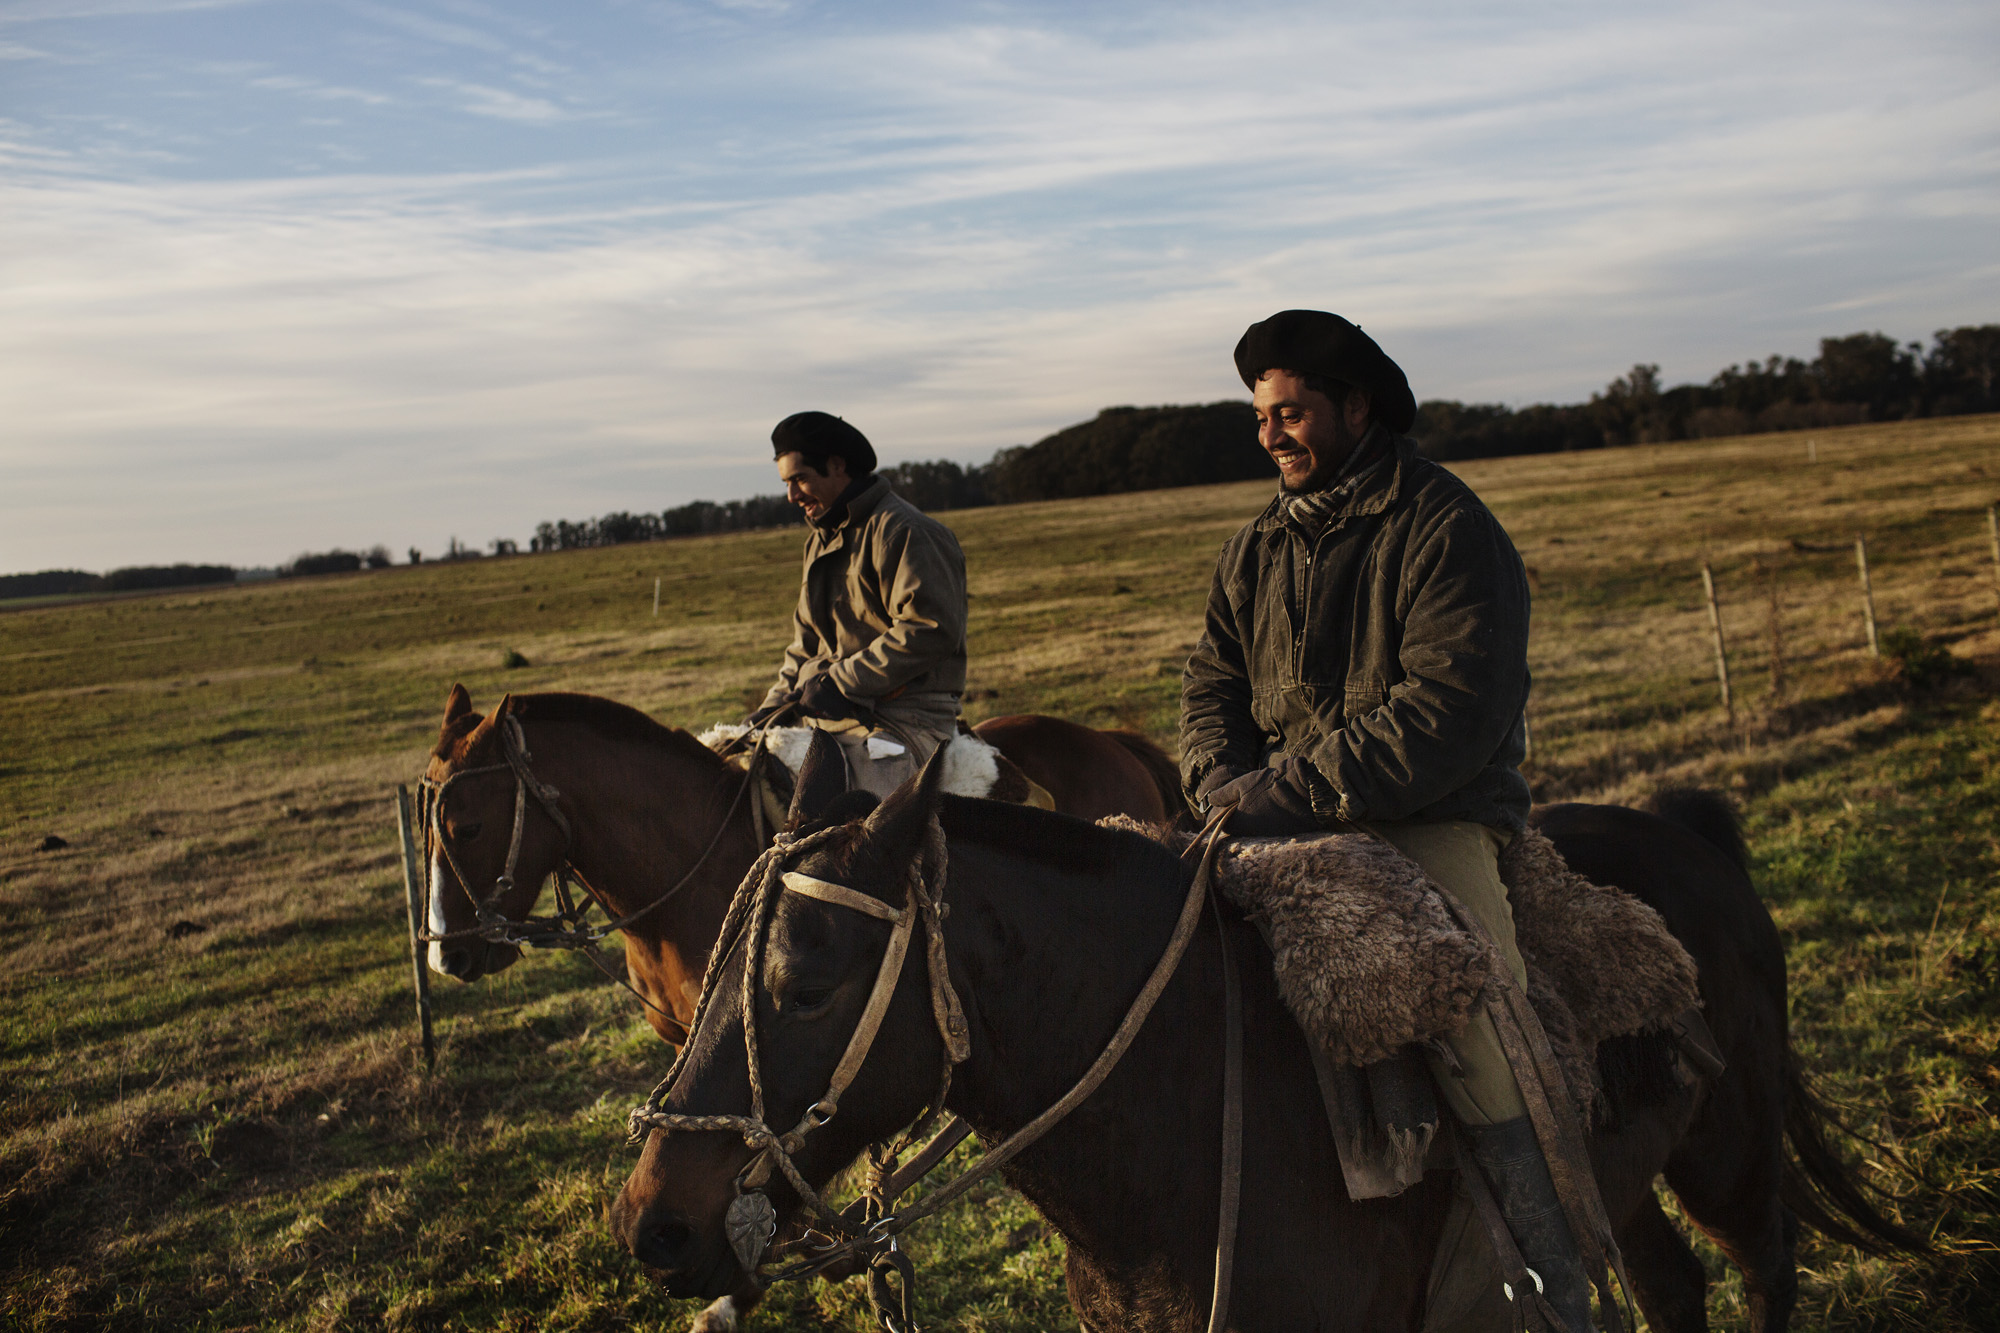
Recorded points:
(211, 1114)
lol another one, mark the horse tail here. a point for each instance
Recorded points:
(1819, 1189)
(1160, 767)
(1815, 1185)
(1707, 814)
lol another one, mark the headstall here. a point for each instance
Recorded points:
(866, 1230)
(567, 929)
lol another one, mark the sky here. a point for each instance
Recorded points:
(278, 276)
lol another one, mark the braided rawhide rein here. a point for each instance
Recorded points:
(749, 910)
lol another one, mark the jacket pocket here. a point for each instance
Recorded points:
(1365, 698)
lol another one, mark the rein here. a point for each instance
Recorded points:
(566, 929)
(867, 1230)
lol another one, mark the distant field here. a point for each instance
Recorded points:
(210, 1115)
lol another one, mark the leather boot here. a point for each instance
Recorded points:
(1511, 1160)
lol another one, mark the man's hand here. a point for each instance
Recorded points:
(760, 716)
(1213, 781)
(820, 697)
(1271, 802)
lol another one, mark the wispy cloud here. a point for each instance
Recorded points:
(292, 83)
(39, 11)
(961, 235)
(481, 100)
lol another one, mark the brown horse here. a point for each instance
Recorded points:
(652, 813)
(1090, 773)
(1053, 925)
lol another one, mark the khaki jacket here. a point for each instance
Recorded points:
(881, 605)
(1385, 644)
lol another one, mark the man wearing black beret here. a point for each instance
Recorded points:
(877, 657)
(1364, 660)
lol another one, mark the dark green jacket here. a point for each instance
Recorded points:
(1385, 645)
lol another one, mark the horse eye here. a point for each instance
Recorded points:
(811, 999)
(466, 832)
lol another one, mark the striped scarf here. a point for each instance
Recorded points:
(1308, 513)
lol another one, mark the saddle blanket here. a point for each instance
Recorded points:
(1370, 961)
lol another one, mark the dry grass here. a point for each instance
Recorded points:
(221, 1125)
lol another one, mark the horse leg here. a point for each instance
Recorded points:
(1741, 1212)
(1667, 1277)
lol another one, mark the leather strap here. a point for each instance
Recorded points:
(1232, 1123)
(1121, 1040)
(840, 895)
(863, 1037)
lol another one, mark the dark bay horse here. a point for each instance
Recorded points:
(649, 806)
(1054, 924)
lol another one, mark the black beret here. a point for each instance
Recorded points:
(819, 436)
(1313, 342)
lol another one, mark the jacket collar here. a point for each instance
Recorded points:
(852, 511)
(1371, 490)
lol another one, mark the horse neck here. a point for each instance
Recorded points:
(644, 815)
(1052, 963)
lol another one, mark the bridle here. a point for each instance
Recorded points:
(867, 1229)
(567, 929)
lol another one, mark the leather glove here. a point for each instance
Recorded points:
(1271, 802)
(820, 697)
(1212, 781)
(760, 716)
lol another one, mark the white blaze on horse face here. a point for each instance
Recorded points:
(434, 892)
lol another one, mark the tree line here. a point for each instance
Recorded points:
(1861, 377)
(1857, 378)
(69, 582)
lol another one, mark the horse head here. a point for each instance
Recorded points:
(816, 965)
(468, 831)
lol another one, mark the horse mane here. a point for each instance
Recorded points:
(1047, 838)
(607, 717)
(1053, 841)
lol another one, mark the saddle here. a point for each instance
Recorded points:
(1375, 969)
(972, 767)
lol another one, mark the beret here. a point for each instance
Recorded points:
(1313, 342)
(821, 434)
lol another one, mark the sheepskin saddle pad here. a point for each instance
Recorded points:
(971, 766)
(1370, 960)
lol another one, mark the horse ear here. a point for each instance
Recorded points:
(459, 718)
(897, 826)
(822, 778)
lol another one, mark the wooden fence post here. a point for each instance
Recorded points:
(1721, 652)
(412, 890)
(656, 599)
(1812, 451)
(1867, 596)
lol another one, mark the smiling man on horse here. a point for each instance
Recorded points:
(1364, 662)
(877, 658)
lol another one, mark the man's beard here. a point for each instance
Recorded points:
(1325, 469)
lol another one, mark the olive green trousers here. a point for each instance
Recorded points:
(1465, 859)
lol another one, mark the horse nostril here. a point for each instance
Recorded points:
(455, 963)
(671, 1237)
